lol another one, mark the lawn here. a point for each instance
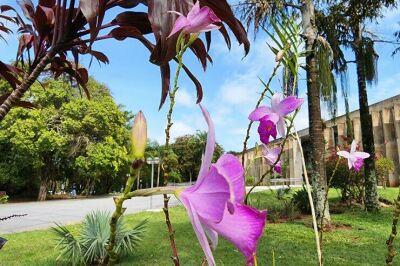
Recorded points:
(362, 242)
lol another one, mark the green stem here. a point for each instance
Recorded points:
(171, 233)
(118, 212)
(321, 225)
(269, 172)
(310, 199)
(262, 96)
(391, 250)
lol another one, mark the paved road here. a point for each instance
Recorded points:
(44, 214)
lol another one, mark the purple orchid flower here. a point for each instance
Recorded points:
(271, 156)
(355, 159)
(197, 20)
(274, 115)
(215, 204)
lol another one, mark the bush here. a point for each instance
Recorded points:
(349, 182)
(175, 177)
(282, 192)
(300, 200)
(384, 167)
(250, 180)
(89, 248)
(3, 197)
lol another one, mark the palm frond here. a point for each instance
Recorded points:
(370, 61)
(129, 238)
(326, 79)
(90, 247)
(69, 246)
(286, 45)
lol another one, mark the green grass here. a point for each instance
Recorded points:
(292, 242)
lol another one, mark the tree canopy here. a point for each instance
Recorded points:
(65, 137)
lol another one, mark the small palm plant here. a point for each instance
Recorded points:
(89, 248)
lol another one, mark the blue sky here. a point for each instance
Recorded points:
(231, 85)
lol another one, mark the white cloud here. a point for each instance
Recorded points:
(184, 98)
(179, 128)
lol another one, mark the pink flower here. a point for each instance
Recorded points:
(266, 129)
(214, 204)
(271, 156)
(354, 158)
(197, 20)
(358, 164)
(274, 115)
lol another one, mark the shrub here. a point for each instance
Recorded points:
(349, 182)
(89, 248)
(175, 177)
(282, 192)
(300, 200)
(3, 197)
(250, 180)
(384, 166)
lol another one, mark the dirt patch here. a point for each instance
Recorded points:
(337, 226)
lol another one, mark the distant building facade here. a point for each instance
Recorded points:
(386, 126)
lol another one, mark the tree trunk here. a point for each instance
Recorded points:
(371, 191)
(314, 113)
(42, 189)
(17, 94)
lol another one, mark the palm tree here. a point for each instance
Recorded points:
(258, 13)
(344, 27)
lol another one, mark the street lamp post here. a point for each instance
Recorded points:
(152, 161)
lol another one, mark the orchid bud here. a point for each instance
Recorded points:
(139, 136)
(279, 55)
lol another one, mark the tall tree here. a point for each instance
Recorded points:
(189, 149)
(258, 12)
(64, 137)
(343, 24)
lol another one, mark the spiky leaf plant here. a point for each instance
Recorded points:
(89, 247)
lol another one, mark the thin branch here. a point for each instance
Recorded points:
(310, 199)
(269, 172)
(391, 250)
(262, 96)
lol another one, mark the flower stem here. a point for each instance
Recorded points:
(119, 211)
(269, 172)
(321, 225)
(262, 96)
(172, 94)
(310, 199)
(391, 250)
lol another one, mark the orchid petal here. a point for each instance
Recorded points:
(259, 113)
(209, 195)
(206, 162)
(351, 160)
(266, 129)
(288, 105)
(198, 229)
(362, 155)
(210, 27)
(230, 167)
(281, 126)
(272, 155)
(344, 154)
(278, 167)
(212, 236)
(353, 146)
(194, 11)
(180, 23)
(243, 228)
(275, 100)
